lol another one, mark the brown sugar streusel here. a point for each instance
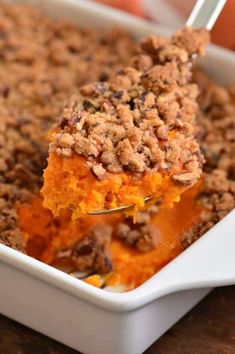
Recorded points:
(141, 235)
(216, 119)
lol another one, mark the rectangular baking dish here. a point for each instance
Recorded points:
(95, 321)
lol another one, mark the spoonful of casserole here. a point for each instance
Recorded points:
(131, 141)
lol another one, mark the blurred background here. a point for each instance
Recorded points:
(173, 14)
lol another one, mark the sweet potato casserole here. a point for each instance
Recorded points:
(59, 84)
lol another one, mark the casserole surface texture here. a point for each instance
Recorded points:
(51, 64)
(62, 307)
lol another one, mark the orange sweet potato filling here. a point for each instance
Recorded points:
(131, 267)
(69, 184)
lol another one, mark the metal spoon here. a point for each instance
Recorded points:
(204, 14)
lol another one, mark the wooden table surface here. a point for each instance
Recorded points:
(208, 329)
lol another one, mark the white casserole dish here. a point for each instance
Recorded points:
(95, 321)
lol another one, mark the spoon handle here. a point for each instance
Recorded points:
(205, 13)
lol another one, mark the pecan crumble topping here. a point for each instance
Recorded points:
(216, 119)
(141, 235)
(91, 253)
